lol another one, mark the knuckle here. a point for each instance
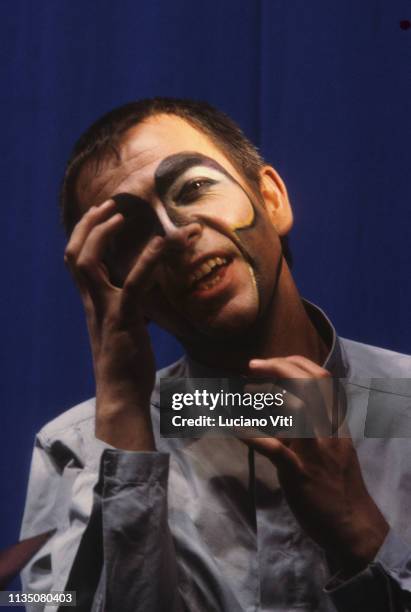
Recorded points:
(151, 250)
(129, 288)
(97, 232)
(145, 256)
(93, 233)
(69, 255)
(111, 320)
(84, 263)
(88, 306)
(325, 374)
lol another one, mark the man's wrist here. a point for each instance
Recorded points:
(125, 426)
(362, 545)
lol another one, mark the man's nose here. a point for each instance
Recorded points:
(179, 232)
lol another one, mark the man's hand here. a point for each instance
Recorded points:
(123, 359)
(321, 476)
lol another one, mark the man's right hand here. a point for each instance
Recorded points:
(124, 364)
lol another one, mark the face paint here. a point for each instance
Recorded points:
(200, 184)
(194, 187)
(141, 224)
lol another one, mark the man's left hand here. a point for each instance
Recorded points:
(321, 479)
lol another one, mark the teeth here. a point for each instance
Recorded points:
(211, 283)
(206, 268)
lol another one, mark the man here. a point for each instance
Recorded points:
(173, 216)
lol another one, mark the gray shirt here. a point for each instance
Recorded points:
(203, 525)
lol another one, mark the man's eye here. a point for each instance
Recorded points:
(193, 189)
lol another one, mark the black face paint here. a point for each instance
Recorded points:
(173, 166)
(140, 215)
(251, 239)
(141, 224)
(252, 235)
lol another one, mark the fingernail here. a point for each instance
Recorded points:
(256, 363)
(105, 204)
(158, 242)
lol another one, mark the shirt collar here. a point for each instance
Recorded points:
(334, 361)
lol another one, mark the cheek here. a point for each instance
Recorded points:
(234, 214)
(263, 246)
(232, 209)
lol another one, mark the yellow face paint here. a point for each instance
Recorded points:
(194, 187)
(190, 187)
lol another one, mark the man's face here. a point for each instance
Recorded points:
(169, 176)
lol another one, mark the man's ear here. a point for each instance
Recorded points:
(276, 200)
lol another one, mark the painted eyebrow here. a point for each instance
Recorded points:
(173, 166)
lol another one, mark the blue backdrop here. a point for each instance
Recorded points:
(323, 88)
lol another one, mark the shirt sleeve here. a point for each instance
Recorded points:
(139, 570)
(384, 586)
(59, 499)
(112, 543)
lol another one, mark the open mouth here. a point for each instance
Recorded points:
(208, 274)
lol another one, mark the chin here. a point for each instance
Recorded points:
(233, 319)
(226, 319)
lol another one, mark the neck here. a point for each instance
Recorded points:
(284, 329)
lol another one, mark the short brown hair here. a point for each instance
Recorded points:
(101, 139)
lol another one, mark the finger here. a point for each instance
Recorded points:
(291, 405)
(310, 367)
(333, 393)
(95, 214)
(276, 366)
(138, 279)
(261, 385)
(89, 265)
(291, 376)
(299, 415)
(335, 399)
(283, 457)
(315, 405)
